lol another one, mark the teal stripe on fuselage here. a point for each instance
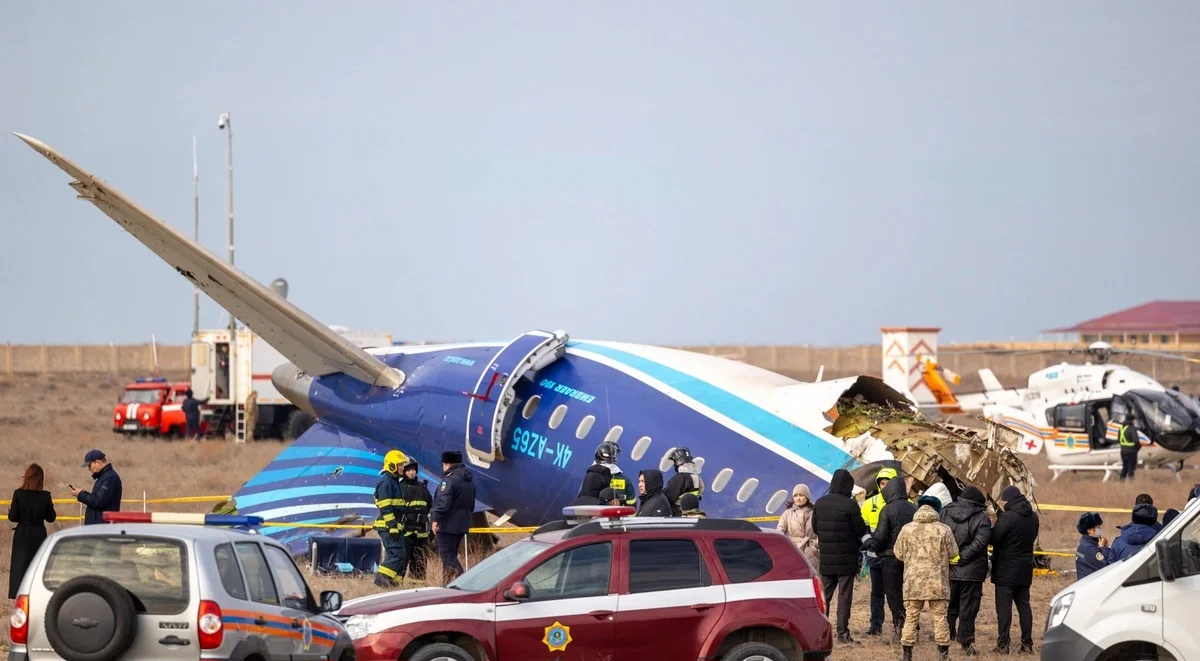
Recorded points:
(796, 439)
(281, 496)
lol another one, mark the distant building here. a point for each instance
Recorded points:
(1154, 324)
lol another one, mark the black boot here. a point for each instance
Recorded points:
(907, 653)
(943, 653)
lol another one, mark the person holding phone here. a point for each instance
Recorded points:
(31, 509)
(106, 495)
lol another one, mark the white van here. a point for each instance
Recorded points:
(1139, 609)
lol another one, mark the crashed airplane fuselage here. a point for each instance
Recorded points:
(528, 414)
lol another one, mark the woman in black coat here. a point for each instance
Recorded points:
(31, 509)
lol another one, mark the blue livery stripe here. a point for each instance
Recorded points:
(796, 439)
(322, 451)
(281, 497)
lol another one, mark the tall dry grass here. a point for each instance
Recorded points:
(55, 420)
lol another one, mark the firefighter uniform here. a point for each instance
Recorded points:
(389, 498)
(686, 480)
(415, 520)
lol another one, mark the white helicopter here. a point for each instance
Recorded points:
(1075, 411)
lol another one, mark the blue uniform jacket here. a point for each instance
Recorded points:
(1090, 557)
(1131, 540)
(454, 501)
(104, 497)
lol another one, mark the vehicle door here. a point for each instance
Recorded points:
(266, 618)
(572, 599)
(1070, 428)
(1181, 597)
(668, 603)
(315, 639)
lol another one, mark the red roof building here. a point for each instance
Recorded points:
(1162, 323)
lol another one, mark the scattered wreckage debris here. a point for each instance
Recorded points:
(930, 452)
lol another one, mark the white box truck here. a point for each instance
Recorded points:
(254, 361)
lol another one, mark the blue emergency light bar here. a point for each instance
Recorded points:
(182, 518)
(589, 511)
(150, 379)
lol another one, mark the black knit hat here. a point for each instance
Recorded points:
(972, 494)
(1087, 521)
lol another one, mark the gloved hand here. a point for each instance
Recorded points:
(954, 560)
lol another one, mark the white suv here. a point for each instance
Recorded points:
(148, 591)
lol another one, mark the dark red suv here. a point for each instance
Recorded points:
(611, 587)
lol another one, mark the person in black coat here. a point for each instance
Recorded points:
(191, 414)
(841, 533)
(653, 502)
(451, 512)
(1012, 540)
(896, 513)
(31, 509)
(968, 520)
(106, 493)
(595, 480)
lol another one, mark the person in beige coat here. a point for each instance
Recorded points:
(796, 523)
(925, 546)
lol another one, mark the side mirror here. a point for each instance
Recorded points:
(1166, 553)
(331, 601)
(518, 591)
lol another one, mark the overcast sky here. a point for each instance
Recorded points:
(665, 172)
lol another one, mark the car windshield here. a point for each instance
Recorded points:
(487, 574)
(141, 396)
(152, 569)
(1166, 412)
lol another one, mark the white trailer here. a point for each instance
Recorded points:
(254, 361)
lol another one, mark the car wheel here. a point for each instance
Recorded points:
(754, 652)
(441, 652)
(91, 618)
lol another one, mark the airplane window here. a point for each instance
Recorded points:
(531, 406)
(747, 489)
(556, 418)
(722, 479)
(777, 499)
(614, 434)
(585, 426)
(639, 449)
(665, 463)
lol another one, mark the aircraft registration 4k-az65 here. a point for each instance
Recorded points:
(1074, 411)
(528, 414)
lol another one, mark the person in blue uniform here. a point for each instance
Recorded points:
(389, 498)
(1093, 553)
(451, 512)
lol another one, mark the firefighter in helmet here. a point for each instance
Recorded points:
(606, 455)
(415, 521)
(686, 479)
(389, 498)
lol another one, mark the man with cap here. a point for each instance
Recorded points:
(1137, 534)
(451, 512)
(1012, 540)
(1093, 553)
(610, 496)
(389, 498)
(105, 495)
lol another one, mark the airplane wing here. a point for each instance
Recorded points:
(309, 344)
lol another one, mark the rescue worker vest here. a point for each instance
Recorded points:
(389, 498)
(871, 508)
(624, 489)
(1124, 439)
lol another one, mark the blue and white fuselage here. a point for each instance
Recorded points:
(648, 399)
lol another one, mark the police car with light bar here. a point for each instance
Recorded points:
(604, 585)
(158, 586)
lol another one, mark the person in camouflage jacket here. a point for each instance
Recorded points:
(925, 546)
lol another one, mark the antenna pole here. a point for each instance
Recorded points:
(195, 233)
(226, 123)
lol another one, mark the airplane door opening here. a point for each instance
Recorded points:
(222, 371)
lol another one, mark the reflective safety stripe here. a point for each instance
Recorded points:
(390, 502)
(388, 517)
(1125, 442)
(387, 572)
(417, 503)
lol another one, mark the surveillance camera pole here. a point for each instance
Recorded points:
(227, 124)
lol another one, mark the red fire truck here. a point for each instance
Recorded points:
(151, 406)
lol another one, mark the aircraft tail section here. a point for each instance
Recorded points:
(306, 342)
(990, 382)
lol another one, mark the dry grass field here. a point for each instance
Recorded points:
(55, 420)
